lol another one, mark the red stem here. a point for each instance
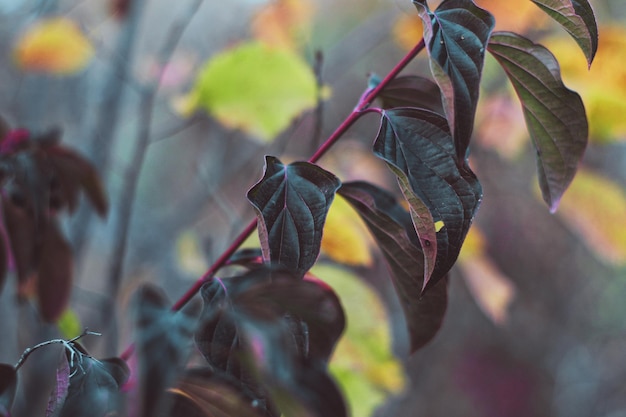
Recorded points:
(364, 102)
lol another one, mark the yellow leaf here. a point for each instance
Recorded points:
(189, 255)
(346, 238)
(595, 207)
(517, 16)
(363, 363)
(603, 86)
(54, 46)
(492, 290)
(255, 88)
(69, 324)
(408, 31)
(283, 23)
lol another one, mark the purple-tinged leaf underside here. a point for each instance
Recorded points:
(418, 147)
(61, 388)
(412, 91)
(8, 387)
(555, 116)
(391, 226)
(291, 203)
(456, 36)
(577, 18)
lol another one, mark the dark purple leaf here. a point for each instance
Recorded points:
(54, 277)
(8, 386)
(577, 17)
(292, 202)
(555, 116)
(4, 128)
(391, 226)
(20, 228)
(456, 36)
(61, 388)
(418, 147)
(412, 91)
(163, 344)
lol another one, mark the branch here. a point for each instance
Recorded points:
(364, 102)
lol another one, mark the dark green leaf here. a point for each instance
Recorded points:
(163, 344)
(8, 386)
(418, 147)
(555, 116)
(292, 202)
(577, 17)
(456, 36)
(412, 91)
(391, 226)
(94, 385)
(54, 277)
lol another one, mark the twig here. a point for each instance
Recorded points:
(64, 342)
(146, 110)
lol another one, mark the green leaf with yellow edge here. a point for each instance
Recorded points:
(346, 239)
(363, 362)
(69, 324)
(55, 46)
(595, 208)
(254, 87)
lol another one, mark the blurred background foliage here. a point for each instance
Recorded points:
(535, 325)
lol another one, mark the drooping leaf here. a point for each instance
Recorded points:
(254, 87)
(412, 91)
(577, 17)
(363, 363)
(20, 228)
(555, 116)
(94, 385)
(346, 239)
(418, 147)
(163, 340)
(456, 36)
(8, 387)
(391, 226)
(292, 202)
(54, 276)
(54, 46)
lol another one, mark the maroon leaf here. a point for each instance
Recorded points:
(54, 280)
(8, 386)
(412, 91)
(20, 228)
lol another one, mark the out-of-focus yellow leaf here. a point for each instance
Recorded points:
(69, 324)
(54, 46)
(408, 30)
(363, 363)
(283, 23)
(517, 16)
(346, 239)
(491, 289)
(254, 87)
(188, 254)
(500, 125)
(595, 207)
(603, 86)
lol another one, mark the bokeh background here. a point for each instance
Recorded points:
(535, 325)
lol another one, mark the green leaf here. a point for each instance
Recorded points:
(555, 116)
(292, 202)
(456, 36)
(256, 88)
(412, 91)
(577, 17)
(8, 387)
(418, 147)
(163, 345)
(391, 226)
(69, 324)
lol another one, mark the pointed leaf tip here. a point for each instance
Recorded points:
(555, 116)
(577, 18)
